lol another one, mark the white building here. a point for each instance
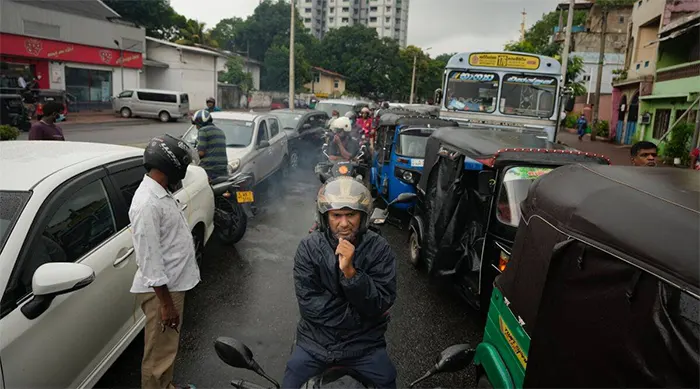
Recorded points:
(612, 62)
(193, 70)
(70, 45)
(388, 17)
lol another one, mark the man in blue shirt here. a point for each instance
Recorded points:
(211, 105)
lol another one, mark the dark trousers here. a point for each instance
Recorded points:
(376, 367)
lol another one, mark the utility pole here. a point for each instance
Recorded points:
(291, 59)
(121, 61)
(413, 78)
(599, 76)
(522, 26)
(567, 40)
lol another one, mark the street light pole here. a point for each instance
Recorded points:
(291, 58)
(413, 78)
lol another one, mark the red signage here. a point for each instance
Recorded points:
(24, 46)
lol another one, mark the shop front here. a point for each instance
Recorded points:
(87, 73)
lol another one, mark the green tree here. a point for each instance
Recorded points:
(195, 33)
(226, 31)
(276, 68)
(236, 75)
(537, 38)
(156, 16)
(573, 72)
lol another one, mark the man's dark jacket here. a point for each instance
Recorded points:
(343, 318)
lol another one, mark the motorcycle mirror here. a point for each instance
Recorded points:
(405, 198)
(450, 360)
(236, 354)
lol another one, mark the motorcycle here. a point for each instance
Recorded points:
(233, 198)
(329, 169)
(236, 354)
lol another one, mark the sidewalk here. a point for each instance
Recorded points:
(83, 119)
(618, 154)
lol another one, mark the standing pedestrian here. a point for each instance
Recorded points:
(46, 128)
(165, 255)
(581, 125)
(643, 154)
(695, 159)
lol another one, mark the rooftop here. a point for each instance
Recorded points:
(328, 72)
(184, 47)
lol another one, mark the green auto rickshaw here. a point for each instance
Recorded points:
(603, 287)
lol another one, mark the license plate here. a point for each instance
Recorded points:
(417, 162)
(245, 196)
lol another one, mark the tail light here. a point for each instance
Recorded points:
(503, 260)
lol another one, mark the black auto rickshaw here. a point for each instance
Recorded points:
(603, 287)
(13, 112)
(467, 212)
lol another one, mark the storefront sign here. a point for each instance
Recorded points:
(24, 46)
(504, 60)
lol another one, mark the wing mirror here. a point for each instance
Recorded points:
(236, 354)
(306, 126)
(450, 360)
(263, 144)
(486, 182)
(53, 279)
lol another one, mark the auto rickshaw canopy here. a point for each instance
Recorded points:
(604, 277)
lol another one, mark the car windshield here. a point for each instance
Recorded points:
(412, 143)
(524, 95)
(516, 183)
(471, 91)
(328, 108)
(239, 133)
(289, 120)
(11, 206)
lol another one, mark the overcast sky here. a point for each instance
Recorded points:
(445, 25)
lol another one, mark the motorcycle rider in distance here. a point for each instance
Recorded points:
(334, 115)
(345, 283)
(211, 105)
(343, 147)
(211, 145)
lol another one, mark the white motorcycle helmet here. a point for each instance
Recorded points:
(341, 123)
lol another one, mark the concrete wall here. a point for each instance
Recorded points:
(69, 28)
(263, 99)
(612, 62)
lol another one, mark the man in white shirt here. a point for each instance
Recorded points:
(165, 255)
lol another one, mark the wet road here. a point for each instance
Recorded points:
(247, 293)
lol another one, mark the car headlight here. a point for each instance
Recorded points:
(233, 166)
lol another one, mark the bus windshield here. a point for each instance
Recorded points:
(528, 95)
(472, 91)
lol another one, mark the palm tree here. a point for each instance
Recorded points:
(195, 33)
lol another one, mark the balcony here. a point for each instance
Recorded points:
(686, 70)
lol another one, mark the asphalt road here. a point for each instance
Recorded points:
(247, 292)
(118, 133)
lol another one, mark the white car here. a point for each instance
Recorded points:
(66, 258)
(255, 143)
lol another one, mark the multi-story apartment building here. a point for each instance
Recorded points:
(388, 17)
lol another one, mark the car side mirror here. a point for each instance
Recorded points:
(450, 360)
(236, 354)
(263, 144)
(486, 182)
(53, 279)
(306, 126)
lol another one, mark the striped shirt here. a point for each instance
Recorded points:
(212, 141)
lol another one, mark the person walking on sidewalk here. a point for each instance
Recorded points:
(46, 128)
(644, 154)
(581, 125)
(165, 255)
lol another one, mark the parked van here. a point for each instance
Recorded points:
(152, 103)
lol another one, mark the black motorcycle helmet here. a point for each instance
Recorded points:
(169, 155)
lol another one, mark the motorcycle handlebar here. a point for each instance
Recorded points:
(243, 384)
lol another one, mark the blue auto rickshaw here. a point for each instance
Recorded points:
(399, 152)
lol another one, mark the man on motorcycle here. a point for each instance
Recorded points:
(211, 105)
(343, 146)
(211, 145)
(345, 282)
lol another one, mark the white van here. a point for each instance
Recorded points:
(152, 103)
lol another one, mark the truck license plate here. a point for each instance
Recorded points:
(245, 196)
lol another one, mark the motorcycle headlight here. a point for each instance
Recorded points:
(233, 166)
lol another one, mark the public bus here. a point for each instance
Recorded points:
(504, 90)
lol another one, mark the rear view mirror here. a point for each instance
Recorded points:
(236, 354)
(53, 279)
(405, 197)
(487, 182)
(450, 360)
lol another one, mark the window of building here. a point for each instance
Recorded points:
(622, 20)
(373, 9)
(387, 19)
(586, 77)
(662, 119)
(346, 9)
(336, 84)
(331, 20)
(373, 20)
(331, 10)
(388, 9)
(92, 88)
(42, 29)
(646, 64)
(346, 20)
(307, 20)
(307, 10)
(317, 78)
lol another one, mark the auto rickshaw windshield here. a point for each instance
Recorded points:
(412, 143)
(516, 184)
